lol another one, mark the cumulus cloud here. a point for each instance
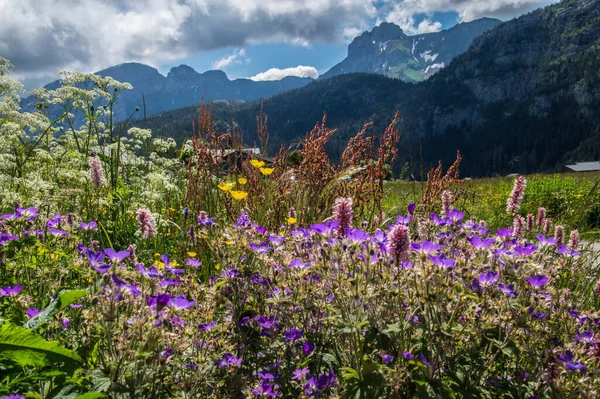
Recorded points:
(300, 71)
(45, 36)
(403, 12)
(238, 57)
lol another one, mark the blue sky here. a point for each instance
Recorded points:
(242, 37)
(261, 57)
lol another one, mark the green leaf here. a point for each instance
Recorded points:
(91, 395)
(26, 348)
(64, 299)
(69, 297)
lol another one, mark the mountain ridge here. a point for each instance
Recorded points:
(387, 50)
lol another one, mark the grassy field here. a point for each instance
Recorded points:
(571, 199)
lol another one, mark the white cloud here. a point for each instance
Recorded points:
(300, 71)
(403, 12)
(44, 36)
(238, 57)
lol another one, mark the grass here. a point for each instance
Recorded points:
(571, 199)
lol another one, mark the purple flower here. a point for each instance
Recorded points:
(564, 250)
(403, 219)
(525, 250)
(115, 256)
(425, 247)
(207, 326)
(150, 273)
(508, 290)
(66, 323)
(488, 279)
(537, 281)
(300, 374)
(307, 348)
(513, 203)
(546, 241)
(11, 290)
(195, 263)
(5, 238)
(585, 336)
(298, 263)
(536, 315)
(342, 214)
(32, 312)
(408, 356)
(357, 236)
(442, 261)
(324, 229)
(293, 335)
(399, 242)
(504, 233)
(204, 220)
(57, 232)
(261, 248)
(95, 261)
(13, 396)
(181, 302)
(27, 213)
(167, 352)
(571, 364)
(455, 215)
(411, 208)
(387, 359)
(481, 243)
(266, 389)
(88, 226)
(438, 221)
(229, 360)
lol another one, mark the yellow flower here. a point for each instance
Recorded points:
(266, 171)
(226, 186)
(242, 180)
(257, 164)
(291, 220)
(217, 266)
(238, 195)
(53, 257)
(191, 254)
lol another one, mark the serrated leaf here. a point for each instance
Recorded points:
(26, 348)
(64, 299)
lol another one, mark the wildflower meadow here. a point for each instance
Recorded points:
(132, 266)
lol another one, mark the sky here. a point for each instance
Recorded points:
(257, 39)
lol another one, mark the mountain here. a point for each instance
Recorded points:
(182, 86)
(386, 50)
(523, 98)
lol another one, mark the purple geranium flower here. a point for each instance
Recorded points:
(32, 312)
(195, 263)
(293, 335)
(307, 348)
(27, 213)
(442, 261)
(181, 302)
(207, 326)
(11, 290)
(455, 215)
(571, 364)
(88, 226)
(504, 233)
(387, 359)
(300, 374)
(403, 219)
(508, 290)
(481, 243)
(525, 250)
(437, 220)
(57, 232)
(261, 248)
(152, 272)
(537, 281)
(425, 247)
(488, 279)
(115, 256)
(408, 356)
(229, 360)
(546, 241)
(537, 315)
(411, 207)
(585, 336)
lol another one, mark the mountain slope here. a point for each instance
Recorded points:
(181, 87)
(523, 98)
(386, 50)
